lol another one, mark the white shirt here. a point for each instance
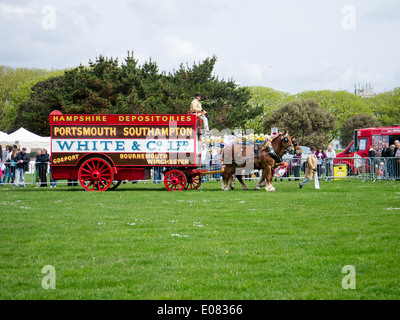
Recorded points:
(331, 154)
(205, 156)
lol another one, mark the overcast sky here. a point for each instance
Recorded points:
(289, 45)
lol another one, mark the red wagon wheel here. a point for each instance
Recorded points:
(175, 180)
(193, 182)
(96, 175)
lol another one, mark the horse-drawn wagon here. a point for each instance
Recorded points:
(101, 151)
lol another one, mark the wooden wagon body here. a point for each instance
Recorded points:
(101, 151)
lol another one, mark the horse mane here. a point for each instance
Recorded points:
(263, 147)
(281, 134)
(279, 146)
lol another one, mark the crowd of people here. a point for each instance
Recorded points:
(323, 164)
(15, 163)
(385, 163)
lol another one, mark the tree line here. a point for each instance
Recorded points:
(16, 86)
(318, 117)
(106, 86)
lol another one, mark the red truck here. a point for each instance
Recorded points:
(363, 140)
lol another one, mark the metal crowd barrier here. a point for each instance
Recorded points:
(32, 177)
(371, 169)
(374, 169)
(365, 169)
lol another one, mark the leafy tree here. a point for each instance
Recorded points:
(106, 87)
(305, 118)
(358, 121)
(341, 104)
(34, 113)
(15, 87)
(268, 99)
(386, 107)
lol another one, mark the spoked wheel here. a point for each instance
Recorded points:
(96, 175)
(175, 180)
(115, 185)
(193, 182)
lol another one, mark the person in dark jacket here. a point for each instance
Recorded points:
(372, 151)
(297, 163)
(42, 161)
(1, 165)
(321, 156)
(385, 150)
(372, 158)
(22, 160)
(390, 154)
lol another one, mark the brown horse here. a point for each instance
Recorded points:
(266, 160)
(271, 161)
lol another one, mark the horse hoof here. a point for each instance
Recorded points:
(246, 189)
(257, 188)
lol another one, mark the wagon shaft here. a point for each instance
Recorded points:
(211, 172)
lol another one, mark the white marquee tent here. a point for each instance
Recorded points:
(3, 136)
(25, 138)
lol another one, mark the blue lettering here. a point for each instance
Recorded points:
(83, 144)
(106, 143)
(94, 145)
(148, 145)
(65, 145)
(171, 147)
(120, 146)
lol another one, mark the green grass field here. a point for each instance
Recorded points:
(142, 242)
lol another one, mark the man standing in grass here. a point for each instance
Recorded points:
(311, 168)
(22, 160)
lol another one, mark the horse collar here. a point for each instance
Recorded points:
(274, 155)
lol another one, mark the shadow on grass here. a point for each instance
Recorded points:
(205, 188)
(80, 189)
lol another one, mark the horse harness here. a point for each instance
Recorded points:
(272, 151)
(274, 155)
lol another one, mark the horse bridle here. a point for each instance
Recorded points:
(273, 153)
(295, 143)
(285, 139)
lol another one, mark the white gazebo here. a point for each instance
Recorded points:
(25, 138)
(3, 139)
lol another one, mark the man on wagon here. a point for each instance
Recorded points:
(196, 108)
